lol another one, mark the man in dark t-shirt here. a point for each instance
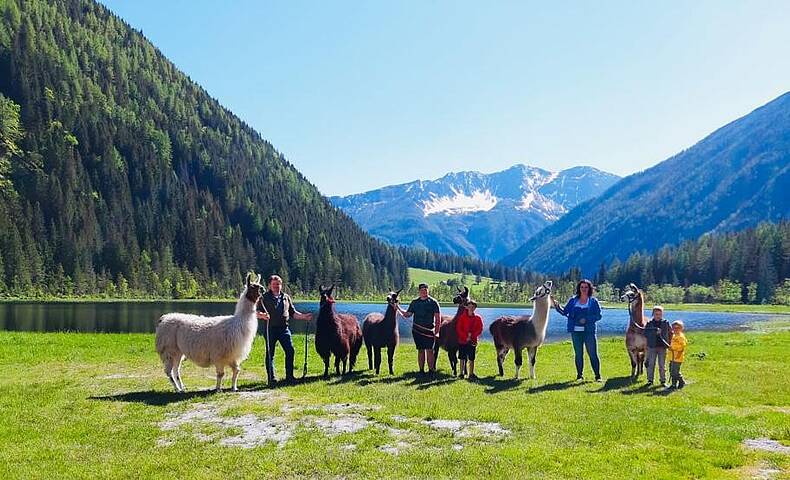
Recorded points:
(277, 309)
(425, 327)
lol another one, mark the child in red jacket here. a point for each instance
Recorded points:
(468, 327)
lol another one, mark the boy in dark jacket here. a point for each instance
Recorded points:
(659, 336)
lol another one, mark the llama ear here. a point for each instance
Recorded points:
(458, 288)
(258, 281)
(548, 284)
(466, 290)
(248, 278)
(321, 288)
(399, 290)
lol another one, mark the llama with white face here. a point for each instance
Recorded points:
(223, 341)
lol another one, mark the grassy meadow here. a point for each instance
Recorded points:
(99, 406)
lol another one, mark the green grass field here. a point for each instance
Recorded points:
(432, 277)
(99, 406)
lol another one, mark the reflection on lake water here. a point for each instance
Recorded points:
(122, 317)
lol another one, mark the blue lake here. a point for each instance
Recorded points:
(122, 317)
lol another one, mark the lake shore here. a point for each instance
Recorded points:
(690, 307)
(99, 405)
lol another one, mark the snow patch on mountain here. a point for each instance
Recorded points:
(460, 202)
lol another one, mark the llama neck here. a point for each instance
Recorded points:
(638, 313)
(326, 314)
(540, 315)
(461, 308)
(390, 317)
(244, 306)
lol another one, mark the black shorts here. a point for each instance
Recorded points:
(423, 341)
(467, 352)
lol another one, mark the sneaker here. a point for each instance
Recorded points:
(462, 375)
(649, 383)
(580, 378)
(598, 380)
(681, 384)
(473, 377)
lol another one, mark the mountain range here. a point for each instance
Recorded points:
(735, 178)
(473, 213)
(120, 176)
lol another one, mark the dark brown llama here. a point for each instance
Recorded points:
(381, 331)
(336, 334)
(448, 338)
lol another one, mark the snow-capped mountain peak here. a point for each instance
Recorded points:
(483, 214)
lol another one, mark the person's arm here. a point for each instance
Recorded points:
(437, 319)
(558, 308)
(260, 312)
(477, 327)
(295, 314)
(663, 336)
(406, 313)
(595, 310)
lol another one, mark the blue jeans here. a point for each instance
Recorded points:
(282, 335)
(590, 341)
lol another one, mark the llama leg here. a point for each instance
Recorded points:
(452, 354)
(337, 365)
(533, 357)
(236, 369)
(370, 357)
(519, 360)
(345, 362)
(220, 374)
(377, 362)
(390, 358)
(177, 372)
(500, 360)
(168, 362)
(326, 367)
(634, 359)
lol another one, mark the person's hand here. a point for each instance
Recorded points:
(436, 333)
(582, 321)
(554, 302)
(263, 316)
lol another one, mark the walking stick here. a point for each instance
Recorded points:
(306, 340)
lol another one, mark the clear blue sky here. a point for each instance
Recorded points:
(358, 95)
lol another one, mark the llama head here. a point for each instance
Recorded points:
(630, 293)
(542, 291)
(253, 289)
(462, 298)
(392, 297)
(326, 295)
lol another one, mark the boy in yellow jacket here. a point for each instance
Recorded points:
(677, 352)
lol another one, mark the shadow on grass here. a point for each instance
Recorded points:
(155, 397)
(415, 379)
(644, 388)
(616, 383)
(496, 384)
(553, 387)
